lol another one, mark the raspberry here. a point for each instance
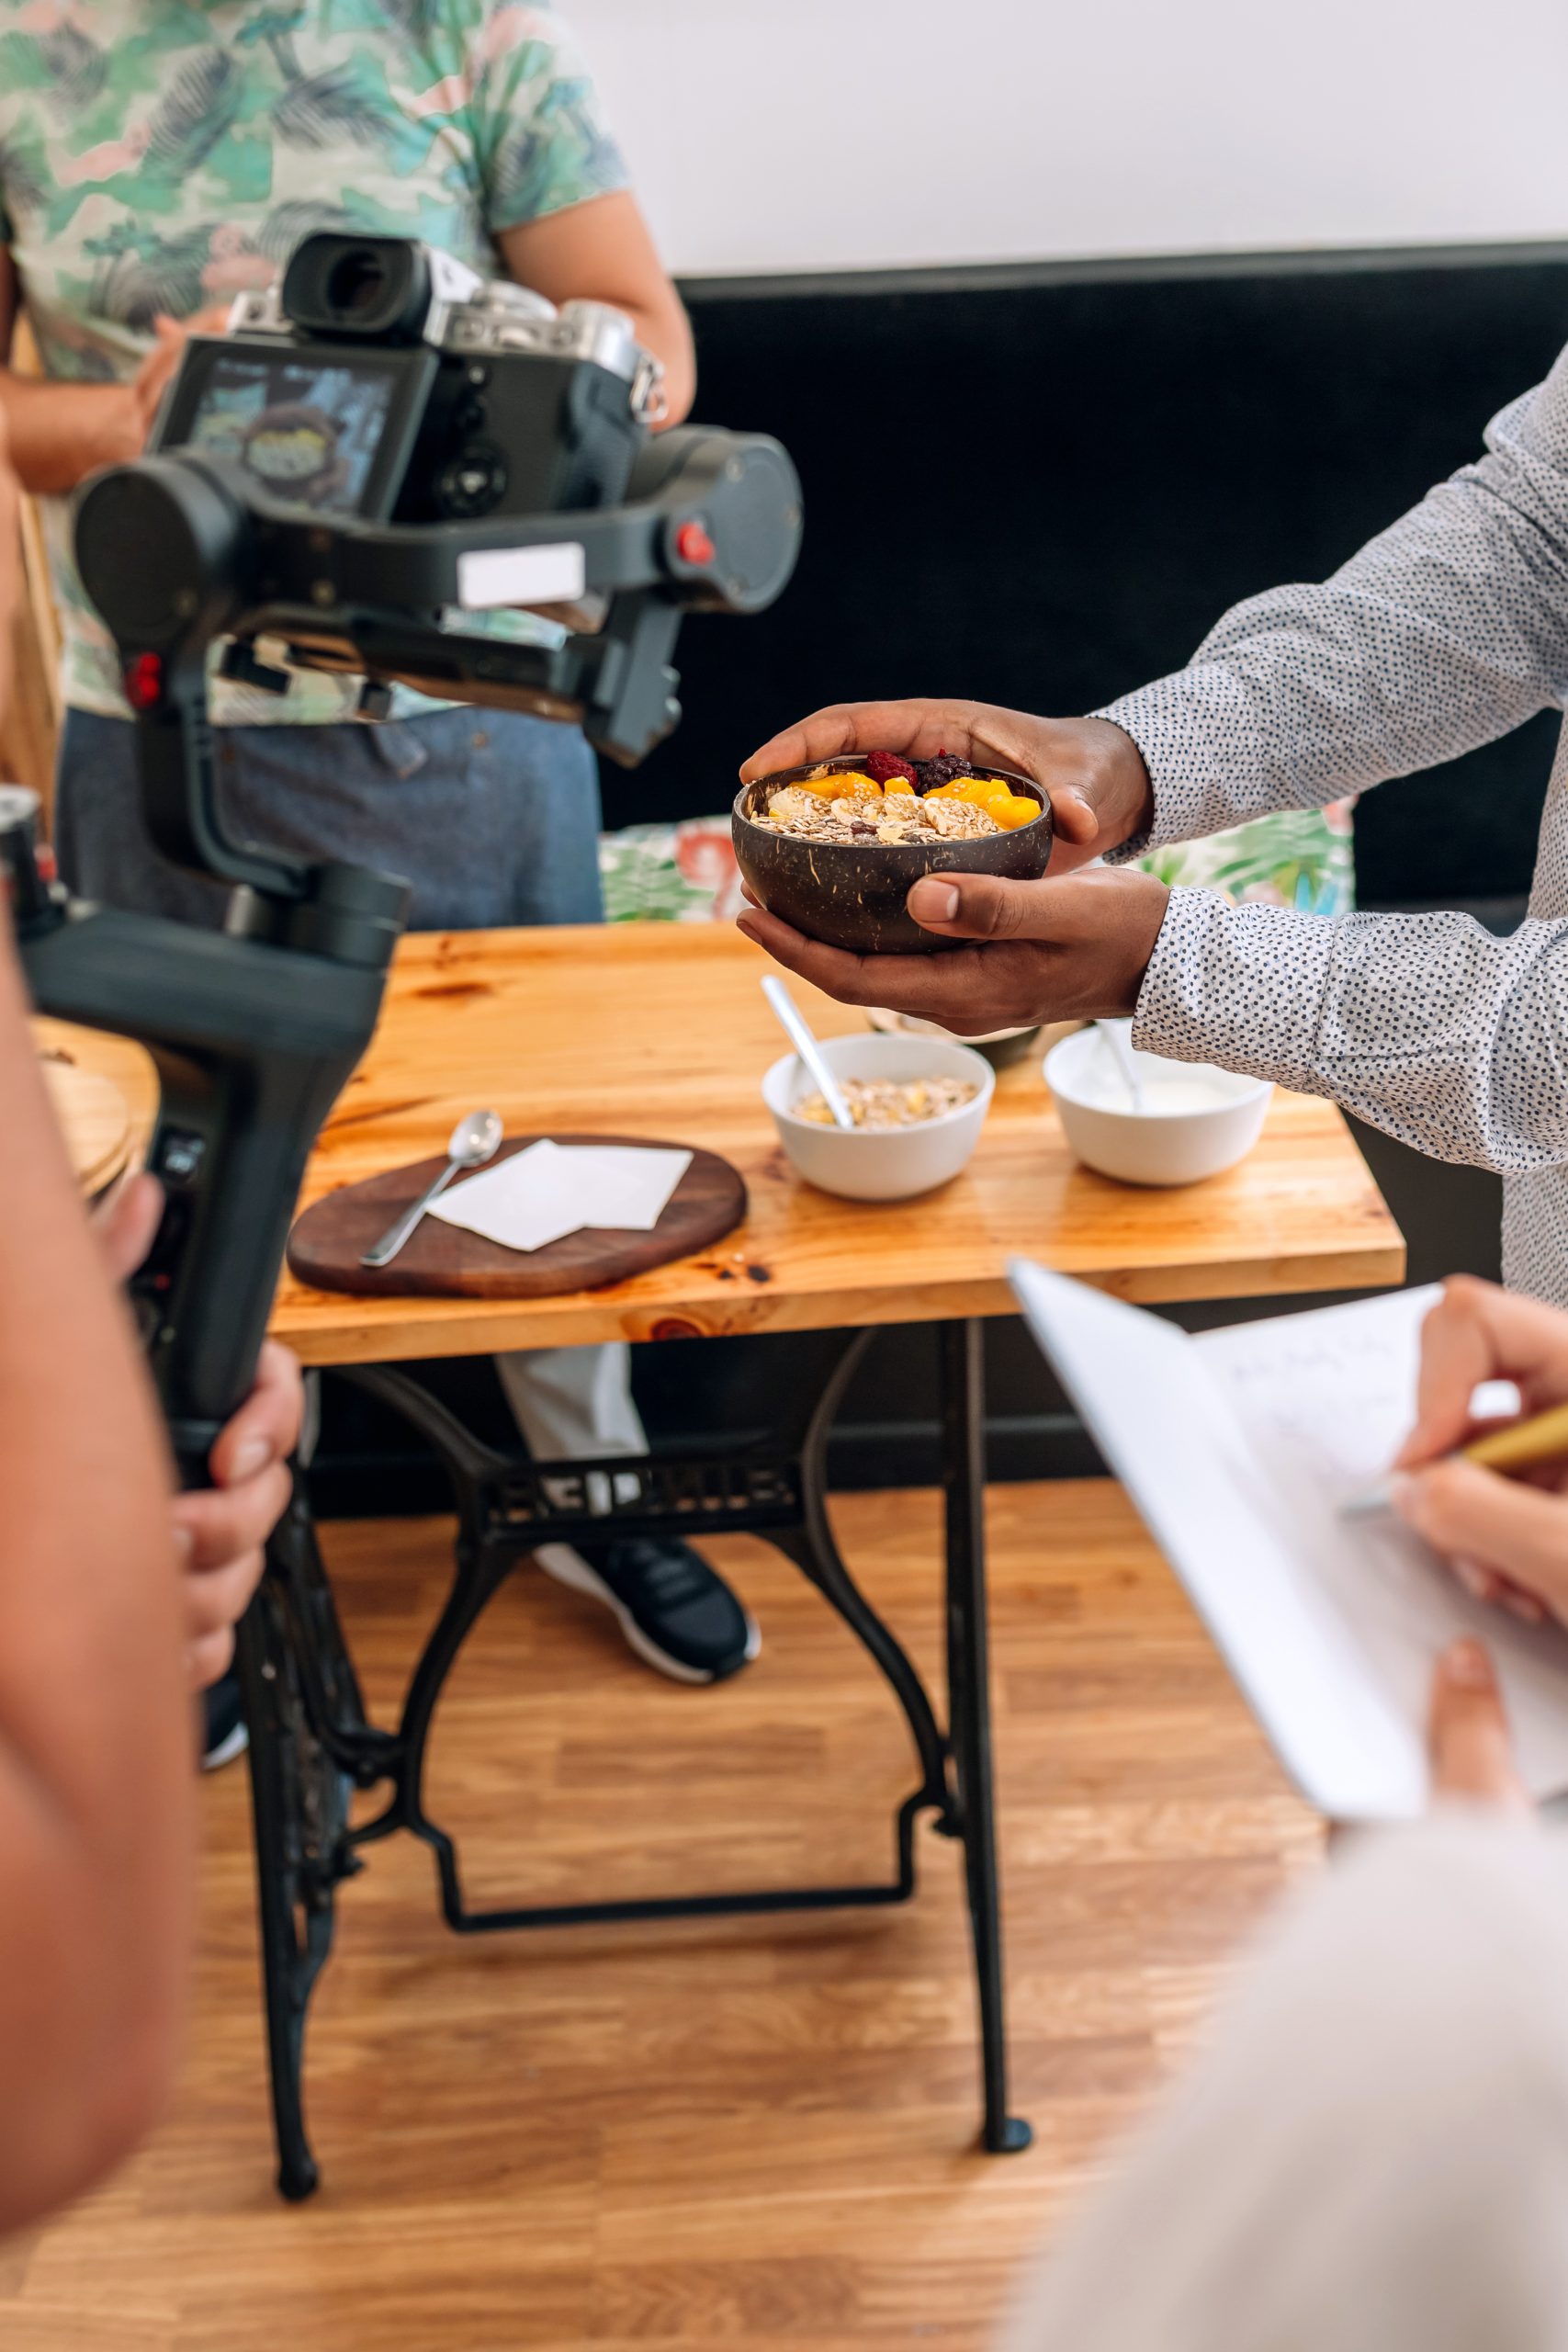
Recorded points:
(944, 769)
(882, 765)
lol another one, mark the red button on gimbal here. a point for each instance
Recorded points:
(144, 681)
(693, 544)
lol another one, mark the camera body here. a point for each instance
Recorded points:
(385, 380)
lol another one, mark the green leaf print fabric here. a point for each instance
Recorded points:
(1302, 858)
(1297, 858)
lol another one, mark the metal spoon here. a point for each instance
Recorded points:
(474, 1140)
(806, 1047)
(1117, 1038)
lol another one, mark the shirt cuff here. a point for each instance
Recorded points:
(1244, 987)
(1192, 730)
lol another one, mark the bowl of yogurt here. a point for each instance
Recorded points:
(1194, 1120)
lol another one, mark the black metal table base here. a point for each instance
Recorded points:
(311, 1744)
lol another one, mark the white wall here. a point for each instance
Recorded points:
(833, 134)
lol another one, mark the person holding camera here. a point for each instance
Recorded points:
(97, 1835)
(1444, 632)
(115, 1599)
(472, 126)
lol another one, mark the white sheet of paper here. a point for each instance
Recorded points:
(550, 1189)
(1238, 1449)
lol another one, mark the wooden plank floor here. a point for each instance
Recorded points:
(749, 2135)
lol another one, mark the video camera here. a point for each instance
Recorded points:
(387, 381)
(365, 475)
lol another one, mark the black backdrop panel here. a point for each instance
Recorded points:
(1042, 491)
(1041, 488)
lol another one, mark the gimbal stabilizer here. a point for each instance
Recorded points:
(253, 1038)
(254, 1030)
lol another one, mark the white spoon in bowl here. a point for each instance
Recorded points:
(806, 1047)
(1117, 1036)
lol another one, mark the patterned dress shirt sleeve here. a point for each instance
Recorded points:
(1447, 630)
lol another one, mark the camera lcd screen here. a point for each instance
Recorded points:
(307, 433)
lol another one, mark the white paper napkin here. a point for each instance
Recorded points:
(550, 1189)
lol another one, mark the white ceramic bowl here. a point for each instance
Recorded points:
(881, 1163)
(1174, 1145)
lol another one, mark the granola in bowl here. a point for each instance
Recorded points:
(835, 847)
(891, 1102)
(874, 816)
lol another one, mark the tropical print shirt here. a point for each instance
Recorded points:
(164, 155)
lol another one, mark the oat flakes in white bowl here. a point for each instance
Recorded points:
(882, 1164)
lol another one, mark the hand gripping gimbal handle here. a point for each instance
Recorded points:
(253, 1043)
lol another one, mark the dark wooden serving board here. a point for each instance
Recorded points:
(443, 1261)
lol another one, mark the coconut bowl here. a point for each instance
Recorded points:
(852, 894)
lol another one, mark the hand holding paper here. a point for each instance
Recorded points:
(1491, 1495)
(542, 1194)
(1238, 1449)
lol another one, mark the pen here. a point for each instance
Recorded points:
(1521, 1445)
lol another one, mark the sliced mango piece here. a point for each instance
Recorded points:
(838, 784)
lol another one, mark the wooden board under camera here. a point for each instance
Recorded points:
(122, 1083)
(442, 1260)
(94, 1119)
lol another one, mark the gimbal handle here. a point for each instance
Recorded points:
(253, 1043)
(254, 1033)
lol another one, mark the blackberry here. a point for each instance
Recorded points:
(944, 769)
(883, 765)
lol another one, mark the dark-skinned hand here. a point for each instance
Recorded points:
(1070, 950)
(1092, 774)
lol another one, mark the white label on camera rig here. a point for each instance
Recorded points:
(489, 577)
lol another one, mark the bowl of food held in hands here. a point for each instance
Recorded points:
(835, 848)
(916, 1106)
(1146, 1120)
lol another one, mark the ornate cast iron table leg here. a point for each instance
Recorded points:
(507, 1507)
(310, 1744)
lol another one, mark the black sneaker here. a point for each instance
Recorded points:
(224, 1735)
(673, 1610)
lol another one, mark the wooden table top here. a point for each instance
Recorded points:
(661, 1029)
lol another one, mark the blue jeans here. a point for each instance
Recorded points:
(493, 816)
